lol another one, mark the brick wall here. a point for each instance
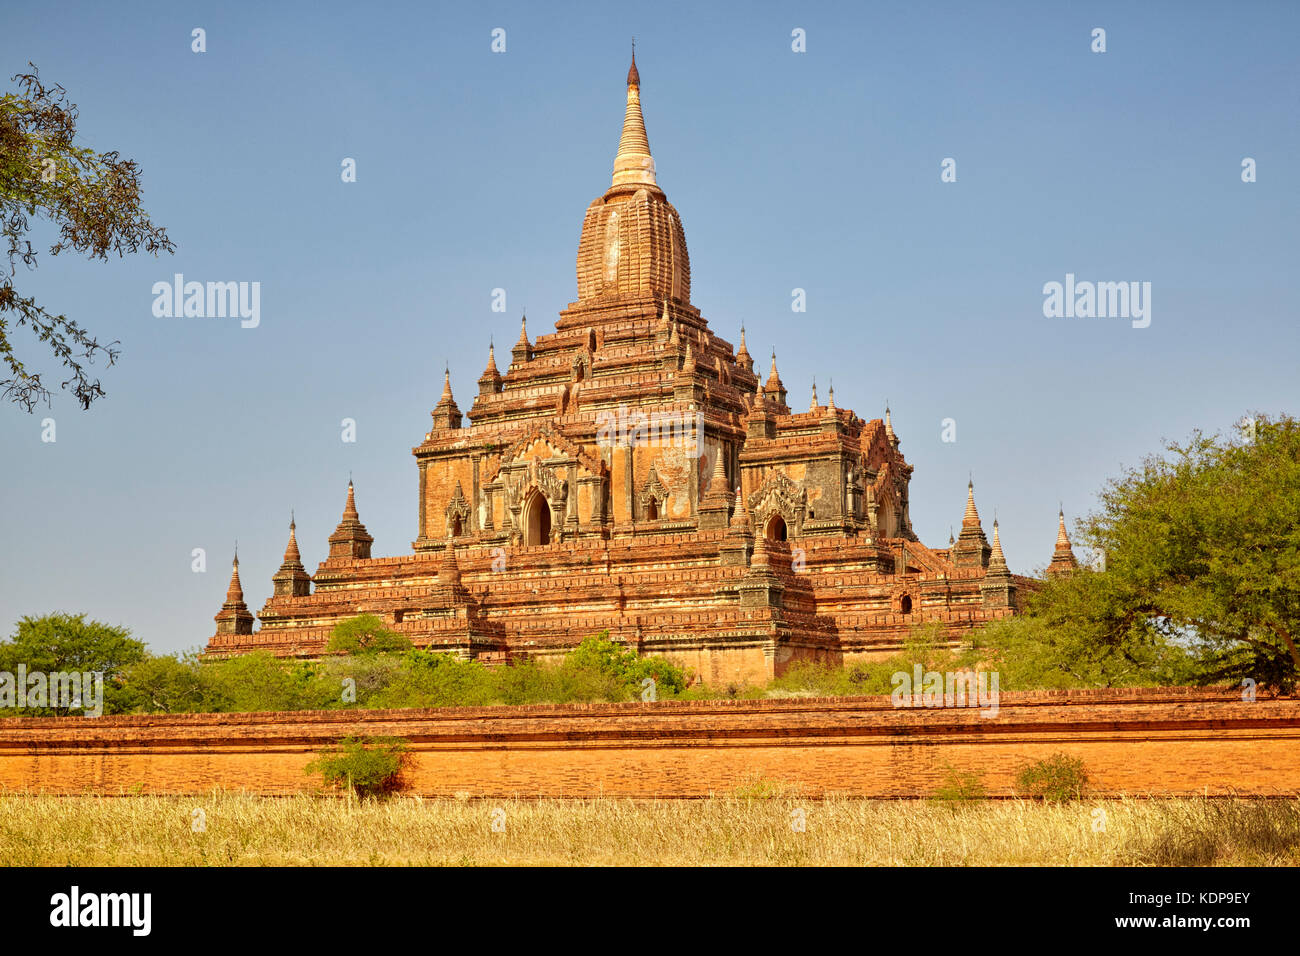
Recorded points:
(1157, 742)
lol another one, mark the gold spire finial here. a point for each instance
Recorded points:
(633, 164)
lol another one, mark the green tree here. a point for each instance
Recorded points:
(1201, 576)
(255, 681)
(371, 766)
(365, 634)
(94, 201)
(598, 669)
(1055, 779)
(166, 683)
(69, 642)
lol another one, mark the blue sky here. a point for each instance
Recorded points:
(817, 170)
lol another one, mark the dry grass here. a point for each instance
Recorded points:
(752, 827)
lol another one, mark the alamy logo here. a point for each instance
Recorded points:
(1098, 300)
(213, 300)
(69, 690)
(924, 688)
(678, 429)
(75, 908)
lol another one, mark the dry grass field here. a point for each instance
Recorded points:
(756, 826)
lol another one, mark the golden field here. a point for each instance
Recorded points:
(758, 825)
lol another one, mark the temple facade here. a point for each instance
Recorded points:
(630, 471)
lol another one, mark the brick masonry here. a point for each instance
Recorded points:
(1170, 741)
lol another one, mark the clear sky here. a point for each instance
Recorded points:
(817, 170)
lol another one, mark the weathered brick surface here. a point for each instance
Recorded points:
(1157, 742)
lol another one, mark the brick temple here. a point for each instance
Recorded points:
(631, 472)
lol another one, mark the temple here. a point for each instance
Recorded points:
(631, 472)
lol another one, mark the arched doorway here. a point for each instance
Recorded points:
(652, 510)
(776, 528)
(537, 520)
(456, 527)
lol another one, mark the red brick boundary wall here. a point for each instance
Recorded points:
(1168, 741)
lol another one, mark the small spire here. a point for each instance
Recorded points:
(813, 406)
(663, 317)
(291, 555)
(830, 403)
(740, 516)
(774, 380)
(523, 330)
(743, 358)
(633, 77)
(997, 562)
(889, 427)
(235, 593)
(951, 540)
(971, 519)
(718, 484)
(448, 569)
(350, 539)
(492, 359)
(446, 385)
(1063, 559)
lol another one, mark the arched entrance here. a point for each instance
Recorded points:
(537, 520)
(776, 528)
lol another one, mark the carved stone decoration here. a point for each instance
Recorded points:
(653, 495)
(581, 365)
(458, 512)
(779, 495)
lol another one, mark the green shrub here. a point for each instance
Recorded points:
(960, 787)
(365, 634)
(1057, 779)
(371, 767)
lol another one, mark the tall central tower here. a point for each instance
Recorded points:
(633, 247)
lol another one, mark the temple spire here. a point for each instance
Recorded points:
(291, 555)
(489, 383)
(235, 592)
(1063, 559)
(813, 406)
(446, 414)
(234, 616)
(997, 562)
(350, 539)
(972, 549)
(633, 165)
(830, 401)
(292, 579)
(523, 350)
(971, 519)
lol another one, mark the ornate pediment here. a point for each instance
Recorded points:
(779, 494)
(557, 446)
(457, 511)
(654, 489)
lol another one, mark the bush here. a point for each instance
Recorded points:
(597, 669)
(960, 786)
(371, 767)
(365, 634)
(1055, 780)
